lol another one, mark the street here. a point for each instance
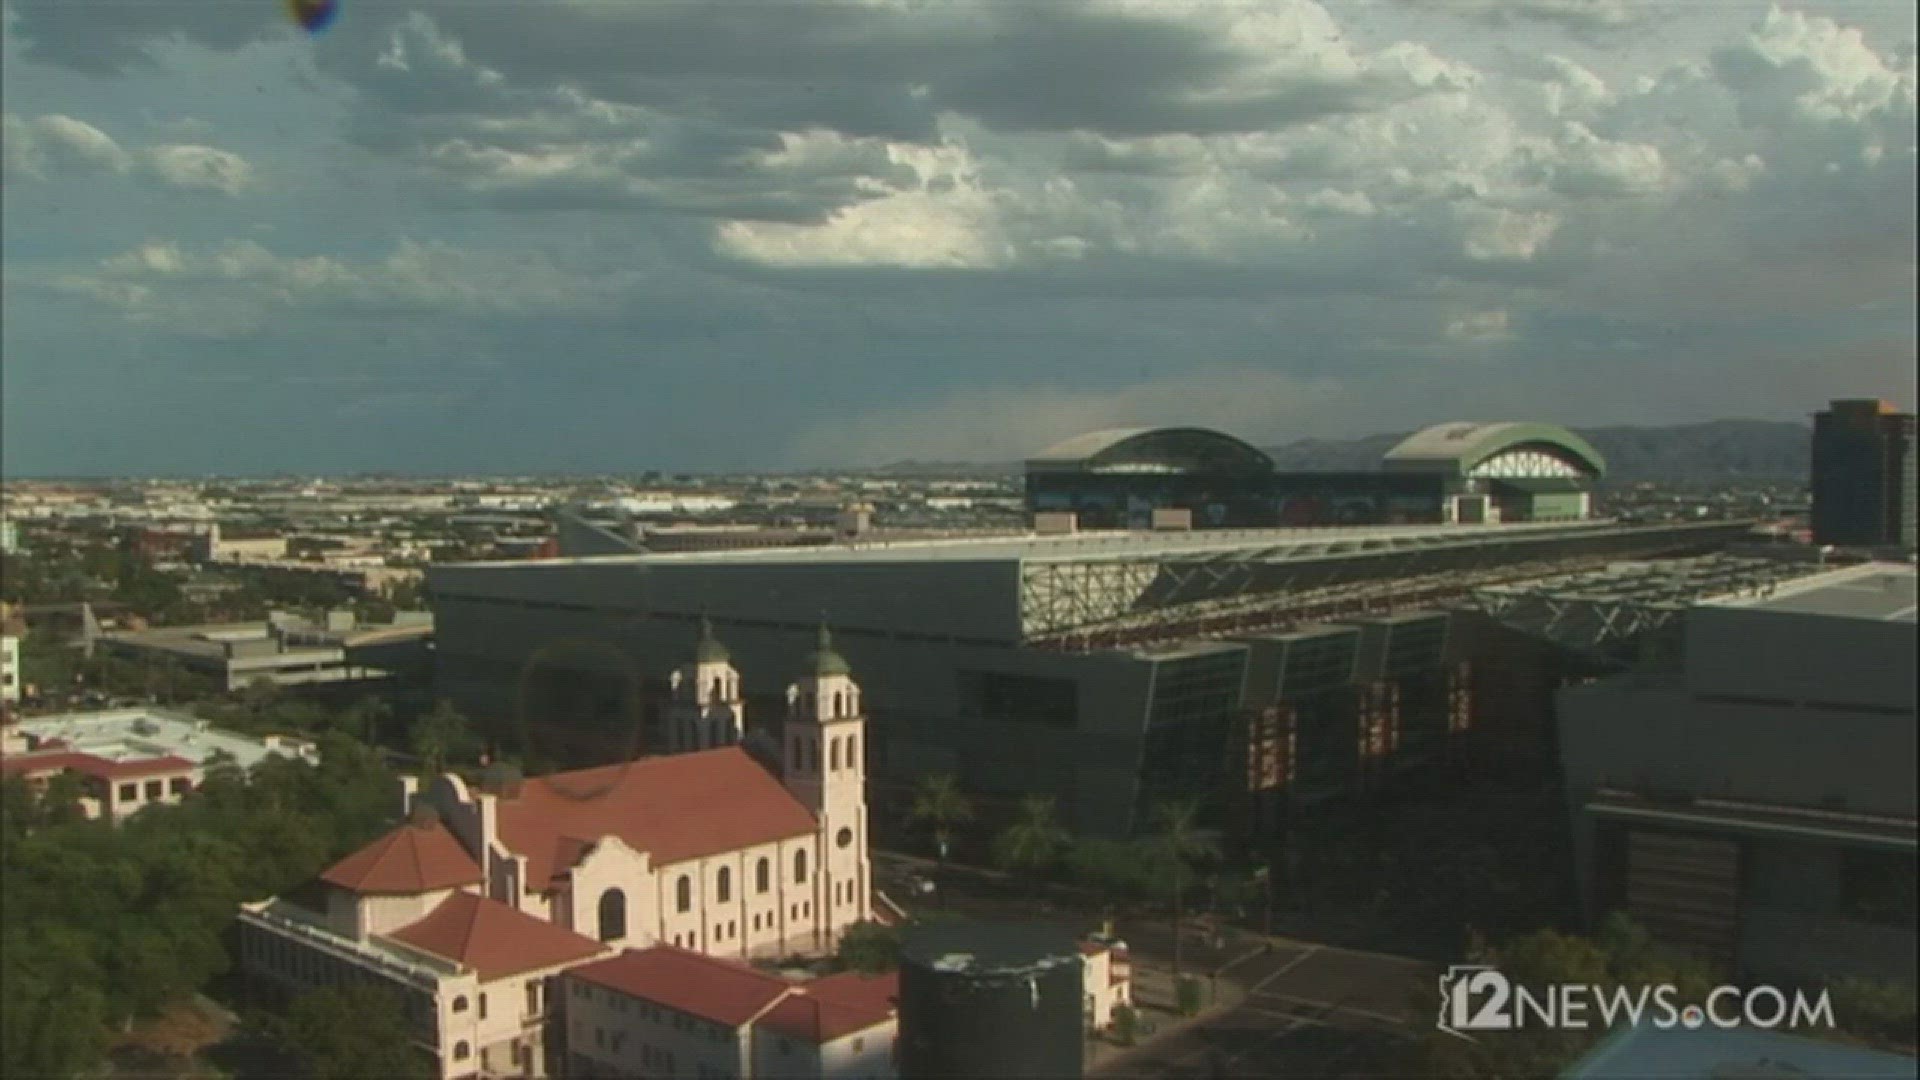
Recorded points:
(1304, 1009)
(1308, 1011)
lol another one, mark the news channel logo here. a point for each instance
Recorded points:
(1480, 998)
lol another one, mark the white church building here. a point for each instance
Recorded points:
(473, 907)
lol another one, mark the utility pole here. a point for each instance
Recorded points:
(1265, 875)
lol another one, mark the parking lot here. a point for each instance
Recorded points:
(1308, 1011)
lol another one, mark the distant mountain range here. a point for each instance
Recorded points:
(1716, 451)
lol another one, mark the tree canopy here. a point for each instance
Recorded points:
(107, 923)
(352, 1033)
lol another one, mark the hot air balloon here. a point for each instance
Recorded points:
(313, 15)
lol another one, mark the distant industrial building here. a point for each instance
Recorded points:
(13, 629)
(1459, 472)
(130, 759)
(1110, 671)
(1864, 486)
(286, 650)
(1753, 799)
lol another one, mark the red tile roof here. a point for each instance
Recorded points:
(493, 939)
(730, 993)
(93, 765)
(836, 1006)
(674, 808)
(722, 991)
(410, 859)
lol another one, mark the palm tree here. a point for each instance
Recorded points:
(1181, 839)
(939, 804)
(440, 734)
(1036, 838)
(367, 719)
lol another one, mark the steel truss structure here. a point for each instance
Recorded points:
(1124, 600)
(1588, 610)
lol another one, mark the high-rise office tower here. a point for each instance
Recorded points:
(1863, 475)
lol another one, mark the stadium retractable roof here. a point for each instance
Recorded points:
(1461, 447)
(1173, 450)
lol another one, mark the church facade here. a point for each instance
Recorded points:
(474, 906)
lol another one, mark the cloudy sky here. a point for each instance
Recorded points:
(616, 234)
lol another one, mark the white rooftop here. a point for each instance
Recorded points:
(1032, 547)
(1874, 591)
(142, 733)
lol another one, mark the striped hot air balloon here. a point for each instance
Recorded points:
(313, 15)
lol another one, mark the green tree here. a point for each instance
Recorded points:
(1880, 1014)
(54, 1022)
(354, 1033)
(1035, 841)
(1620, 954)
(1098, 865)
(260, 696)
(869, 948)
(441, 737)
(1178, 832)
(367, 720)
(941, 807)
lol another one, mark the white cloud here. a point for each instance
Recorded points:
(199, 167)
(1481, 328)
(1497, 234)
(55, 146)
(1572, 14)
(240, 284)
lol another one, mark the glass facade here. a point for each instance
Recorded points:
(1187, 750)
(1863, 475)
(1241, 500)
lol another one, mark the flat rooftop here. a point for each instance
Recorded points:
(124, 735)
(1874, 591)
(1071, 547)
(1710, 1053)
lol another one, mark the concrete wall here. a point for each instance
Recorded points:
(616, 1032)
(1793, 926)
(1756, 653)
(1667, 741)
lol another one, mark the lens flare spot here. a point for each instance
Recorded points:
(313, 15)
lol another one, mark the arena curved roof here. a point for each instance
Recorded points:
(1460, 446)
(1158, 449)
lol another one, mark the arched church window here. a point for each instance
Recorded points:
(613, 915)
(800, 867)
(763, 874)
(683, 893)
(723, 884)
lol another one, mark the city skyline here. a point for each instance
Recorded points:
(456, 238)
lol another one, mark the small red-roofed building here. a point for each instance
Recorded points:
(110, 789)
(708, 852)
(665, 1011)
(1109, 979)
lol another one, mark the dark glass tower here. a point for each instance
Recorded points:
(1863, 475)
